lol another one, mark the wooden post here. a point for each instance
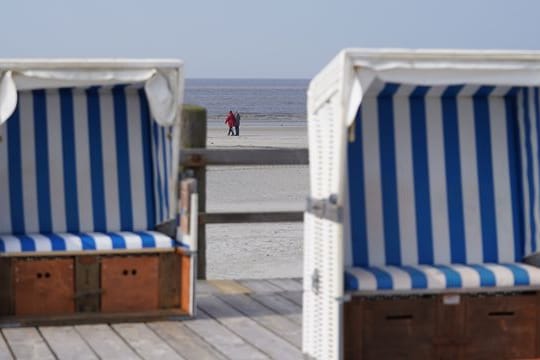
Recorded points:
(194, 132)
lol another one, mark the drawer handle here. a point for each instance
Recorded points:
(399, 317)
(126, 272)
(45, 275)
(501, 313)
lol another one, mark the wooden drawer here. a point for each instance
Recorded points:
(44, 286)
(130, 283)
(502, 327)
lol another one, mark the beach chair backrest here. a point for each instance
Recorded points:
(83, 160)
(443, 174)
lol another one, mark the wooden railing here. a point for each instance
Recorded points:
(196, 157)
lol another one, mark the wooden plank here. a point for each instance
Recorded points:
(251, 217)
(145, 342)
(229, 287)
(67, 343)
(27, 343)
(105, 342)
(185, 341)
(255, 334)
(281, 305)
(185, 280)
(87, 289)
(286, 284)
(5, 353)
(6, 287)
(261, 286)
(197, 157)
(224, 340)
(280, 325)
(169, 280)
(294, 296)
(203, 287)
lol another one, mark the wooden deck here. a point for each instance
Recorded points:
(245, 319)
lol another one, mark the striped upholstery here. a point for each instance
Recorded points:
(440, 277)
(83, 160)
(435, 178)
(84, 242)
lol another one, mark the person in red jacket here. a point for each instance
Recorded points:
(231, 123)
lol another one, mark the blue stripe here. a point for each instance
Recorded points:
(418, 278)
(155, 130)
(486, 187)
(2, 246)
(68, 152)
(99, 210)
(387, 150)
(487, 277)
(122, 158)
(351, 283)
(537, 112)
(510, 105)
(27, 243)
(148, 241)
(57, 242)
(452, 161)
(15, 164)
(530, 176)
(355, 155)
(453, 279)
(384, 280)
(421, 175)
(164, 141)
(521, 276)
(87, 241)
(147, 160)
(42, 161)
(118, 242)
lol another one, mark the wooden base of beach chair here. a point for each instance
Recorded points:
(70, 288)
(465, 326)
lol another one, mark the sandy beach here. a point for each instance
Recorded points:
(256, 250)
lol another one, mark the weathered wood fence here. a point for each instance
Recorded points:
(196, 157)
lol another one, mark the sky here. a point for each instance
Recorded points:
(255, 38)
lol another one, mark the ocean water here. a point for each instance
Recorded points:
(263, 102)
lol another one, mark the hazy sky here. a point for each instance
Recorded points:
(261, 39)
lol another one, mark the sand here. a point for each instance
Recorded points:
(256, 250)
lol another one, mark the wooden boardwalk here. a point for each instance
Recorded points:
(244, 319)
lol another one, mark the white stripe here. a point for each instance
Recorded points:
(28, 158)
(41, 243)
(524, 171)
(401, 280)
(532, 271)
(5, 208)
(366, 280)
(56, 161)
(12, 244)
(156, 170)
(372, 176)
(435, 277)
(133, 241)
(503, 275)
(404, 174)
(103, 241)
(469, 277)
(161, 240)
(136, 163)
(73, 242)
(110, 169)
(469, 181)
(501, 180)
(82, 162)
(437, 181)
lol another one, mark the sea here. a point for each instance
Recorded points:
(261, 102)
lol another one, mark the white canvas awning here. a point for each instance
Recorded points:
(360, 67)
(161, 79)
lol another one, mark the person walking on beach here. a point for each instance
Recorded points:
(237, 123)
(231, 122)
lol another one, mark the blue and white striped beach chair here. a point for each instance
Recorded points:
(89, 160)
(424, 185)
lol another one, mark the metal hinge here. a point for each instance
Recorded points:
(325, 208)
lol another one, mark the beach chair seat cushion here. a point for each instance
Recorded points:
(91, 242)
(442, 277)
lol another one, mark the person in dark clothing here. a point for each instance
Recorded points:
(231, 123)
(237, 123)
